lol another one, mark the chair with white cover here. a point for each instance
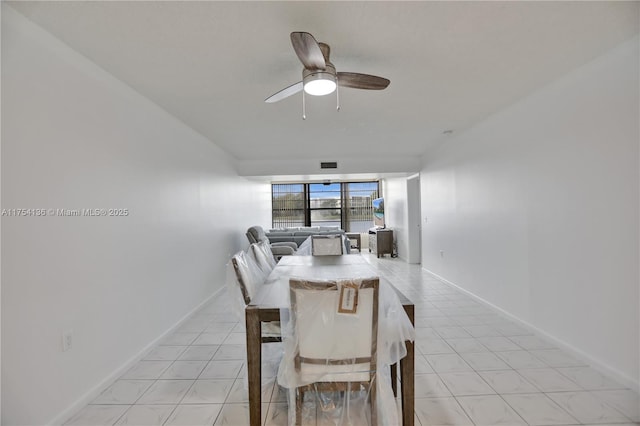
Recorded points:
(264, 257)
(248, 277)
(246, 274)
(326, 245)
(260, 266)
(335, 328)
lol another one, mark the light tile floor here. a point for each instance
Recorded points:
(473, 367)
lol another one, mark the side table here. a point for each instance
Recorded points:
(354, 237)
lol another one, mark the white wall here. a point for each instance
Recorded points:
(394, 191)
(414, 221)
(536, 210)
(74, 137)
(0, 232)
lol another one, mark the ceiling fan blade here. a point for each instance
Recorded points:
(285, 93)
(362, 81)
(308, 51)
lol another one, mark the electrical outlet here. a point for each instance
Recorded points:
(441, 253)
(67, 340)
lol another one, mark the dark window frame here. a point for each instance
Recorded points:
(346, 210)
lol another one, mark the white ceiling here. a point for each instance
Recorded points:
(451, 64)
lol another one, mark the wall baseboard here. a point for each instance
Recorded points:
(93, 393)
(596, 364)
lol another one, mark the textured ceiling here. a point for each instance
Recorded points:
(451, 64)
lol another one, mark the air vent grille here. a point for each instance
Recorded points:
(329, 165)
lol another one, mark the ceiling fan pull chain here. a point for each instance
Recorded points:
(337, 97)
(304, 108)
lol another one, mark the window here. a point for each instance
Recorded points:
(325, 204)
(288, 205)
(346, 204)
(359, 213)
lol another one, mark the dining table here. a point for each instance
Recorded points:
(273, 297)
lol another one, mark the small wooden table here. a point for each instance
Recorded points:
(274, 295)
(355, 237)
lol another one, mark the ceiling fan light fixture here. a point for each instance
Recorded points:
(320, 83)
(319, 76)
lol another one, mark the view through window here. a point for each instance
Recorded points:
(347, 205)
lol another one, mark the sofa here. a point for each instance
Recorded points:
(299, 234)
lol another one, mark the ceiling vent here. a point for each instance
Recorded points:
(329, 165)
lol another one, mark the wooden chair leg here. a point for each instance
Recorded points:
(299, 403)
(394, 379)
(374, 401)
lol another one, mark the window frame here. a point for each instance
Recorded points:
(344, 200)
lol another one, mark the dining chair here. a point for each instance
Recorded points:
(259, 266)
(263, 257)
(335, 328)
(249, 279)
(247, 275)
(326, 245)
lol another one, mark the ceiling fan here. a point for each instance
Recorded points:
(319, 76)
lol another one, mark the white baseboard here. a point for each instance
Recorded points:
(93, 393)
(609, 371)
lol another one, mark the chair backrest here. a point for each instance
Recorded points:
(264, 255)
(326, 245)
(256, 234)
(260, 260)
(335, 324)
(247, 275)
